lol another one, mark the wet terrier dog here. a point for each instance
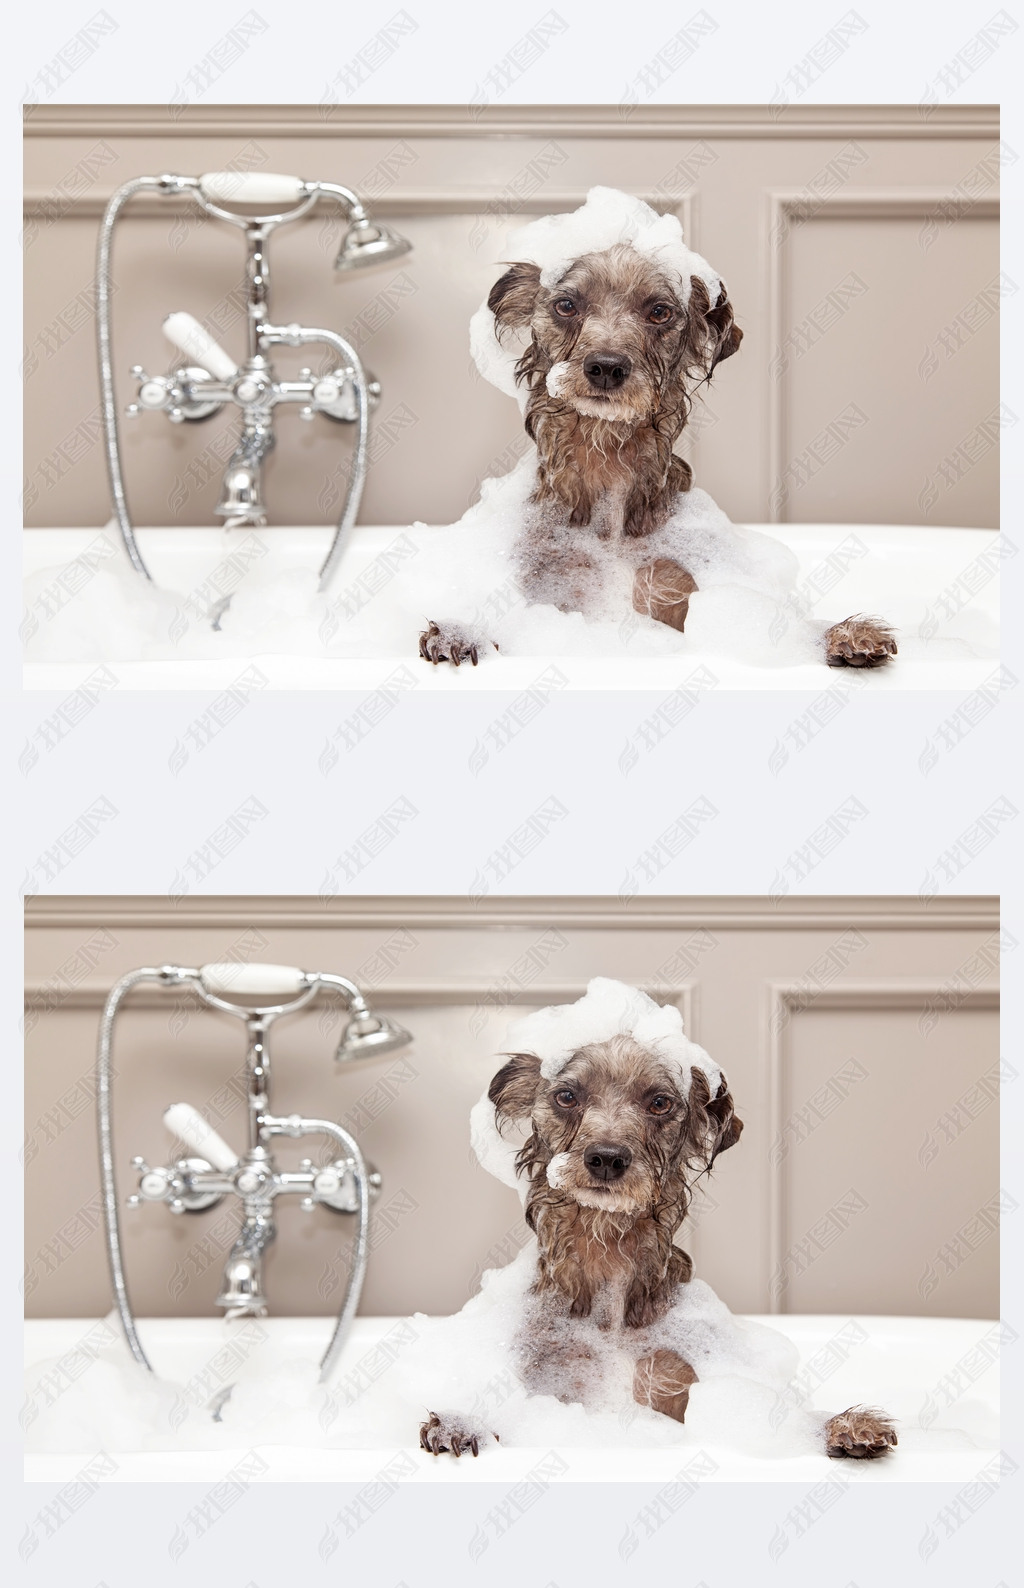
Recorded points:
(614, 358)
(611, 1159)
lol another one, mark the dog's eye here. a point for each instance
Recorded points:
(565, 307)
(661, 1104)
(566, 1098)
(660, 314)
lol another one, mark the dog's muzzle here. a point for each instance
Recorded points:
(606, 371)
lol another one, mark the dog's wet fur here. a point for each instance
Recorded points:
(613, 361)
(629, 357)
(615, 1147)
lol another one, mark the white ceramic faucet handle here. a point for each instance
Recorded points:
(195, 341)
(271, 980)
(188, 1123)
(250, 187)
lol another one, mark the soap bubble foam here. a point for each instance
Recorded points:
(468, 572)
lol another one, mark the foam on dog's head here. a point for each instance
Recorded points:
(554, 242)
(607, 1009)
(608, 217)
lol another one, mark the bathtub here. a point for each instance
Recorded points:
(937, 1376)
(944, 579)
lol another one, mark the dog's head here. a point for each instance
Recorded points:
(615, 1129)
(614, 338)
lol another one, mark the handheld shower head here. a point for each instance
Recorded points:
(367, 1036)
(368, 242)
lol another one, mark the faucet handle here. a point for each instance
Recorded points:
(327, 1182)
(195, 341)
(188, 1123)
(334, 394)
(154, 1184)
(334, 1186)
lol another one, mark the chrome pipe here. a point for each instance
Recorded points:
(108, 1179)
(112, 437)
(294, 1125)
(258, 279)
(258, 1069)
(299, 336)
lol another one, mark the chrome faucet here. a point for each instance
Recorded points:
(207, 376)
(212, 1169)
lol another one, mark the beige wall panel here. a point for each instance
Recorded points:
(454, 974)
(907, 335)
(894, 1155)
(455, 184)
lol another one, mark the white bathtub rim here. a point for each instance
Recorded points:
(289, 1463)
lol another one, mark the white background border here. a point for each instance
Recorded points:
(121, 1537)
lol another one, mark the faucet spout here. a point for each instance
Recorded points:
(241, 501)
(242, 1291)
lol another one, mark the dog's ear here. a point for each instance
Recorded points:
(728, 1123)
(727, 332)
(514, 1089)
(714, 1125)
(513, 298)
(714, 329)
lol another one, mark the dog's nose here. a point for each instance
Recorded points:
(606, 370)
(608, 1163)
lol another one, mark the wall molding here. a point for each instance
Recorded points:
(514, 121)
(902, 203)
(782, 1002)
(39, 205)
(90, 997)
(737, 912)
(787, 208)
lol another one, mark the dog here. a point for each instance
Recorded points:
(616, 349)
(615, 1145)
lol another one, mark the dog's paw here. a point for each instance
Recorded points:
(662, 590)
(861, 1433)
(451, 642)
(859, 642)
(449, 1431)
(662, 1380)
